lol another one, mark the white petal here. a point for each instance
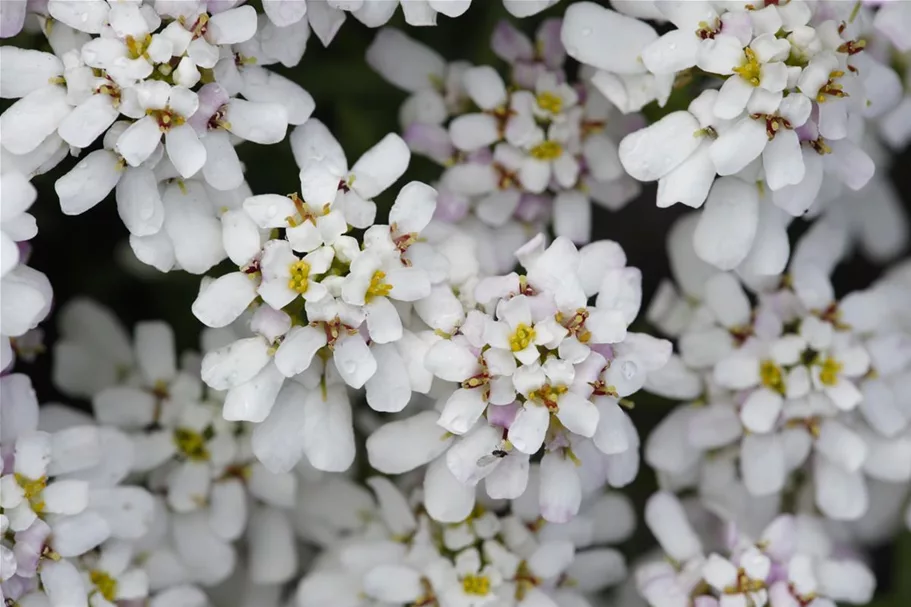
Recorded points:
(88, 121)
(138, 142)
(739, 145)
(671, 53)
(272, 548)
(88, 183)
(277, 441)
(407, 64)
(462, 410)
(26, 70)
(139, 201)
(561, 489)
(656, 150)
(186, 152)
(782, 160)
(529, 427)
(253, 400)
(63, 583)
(393, 584)
(425, 440)
(263, 123)
(762, 463)
(380, 166)
(446, 499)
(605, 39)
(413, 208)
(840, 495)
(728, 223)
(224, 299)
(389, 390)
(667, 520)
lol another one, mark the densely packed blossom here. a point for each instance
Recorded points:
(792, 562)
(798, 398)
(432, 394)
(66, 519)
(796, 88)
(516, 156)
(534, 368)
(402, 557)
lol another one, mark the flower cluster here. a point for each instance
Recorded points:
(169, 89)
(792, 562)
(67, 521)
(211, 495)
(401, 557)
(366, 365)
(535, 368)
(516, 157)
(795, 90)
(798, 398)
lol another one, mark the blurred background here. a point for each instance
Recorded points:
(88, 254)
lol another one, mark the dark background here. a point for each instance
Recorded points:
(83, 255)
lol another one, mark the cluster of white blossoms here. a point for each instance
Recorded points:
(211, 495)
(168, 88)
(791, 562)
(399, 556)
(783, 95)
(517, 156)
(66, 519)
(427, 403)
(799, 401)
(532, 368)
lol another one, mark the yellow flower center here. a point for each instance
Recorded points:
(166, 118)
(104, 584)
(828, 375)
(137, 48)
(191, 444)
(300, 275)
(546, 150)
(478, 585)
(548, 395)
(744, 584)
(521, 337)
(750, 69)
(771, 376)
(32, 490)
(550, 102)
(378, 286)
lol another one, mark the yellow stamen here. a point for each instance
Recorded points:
(771, 376)
(478, 585)
(191, 444)
(32, 490)
(548, 395)
(378, 286)
(300, 276)
(521, 337)
(104, 584)
(137, 48)
(546, 150)
(166, 118)
(828, 375)
(750, 70)
(549, 102)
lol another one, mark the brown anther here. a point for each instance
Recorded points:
(852, 47)
(773, 123)
(505, 178)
